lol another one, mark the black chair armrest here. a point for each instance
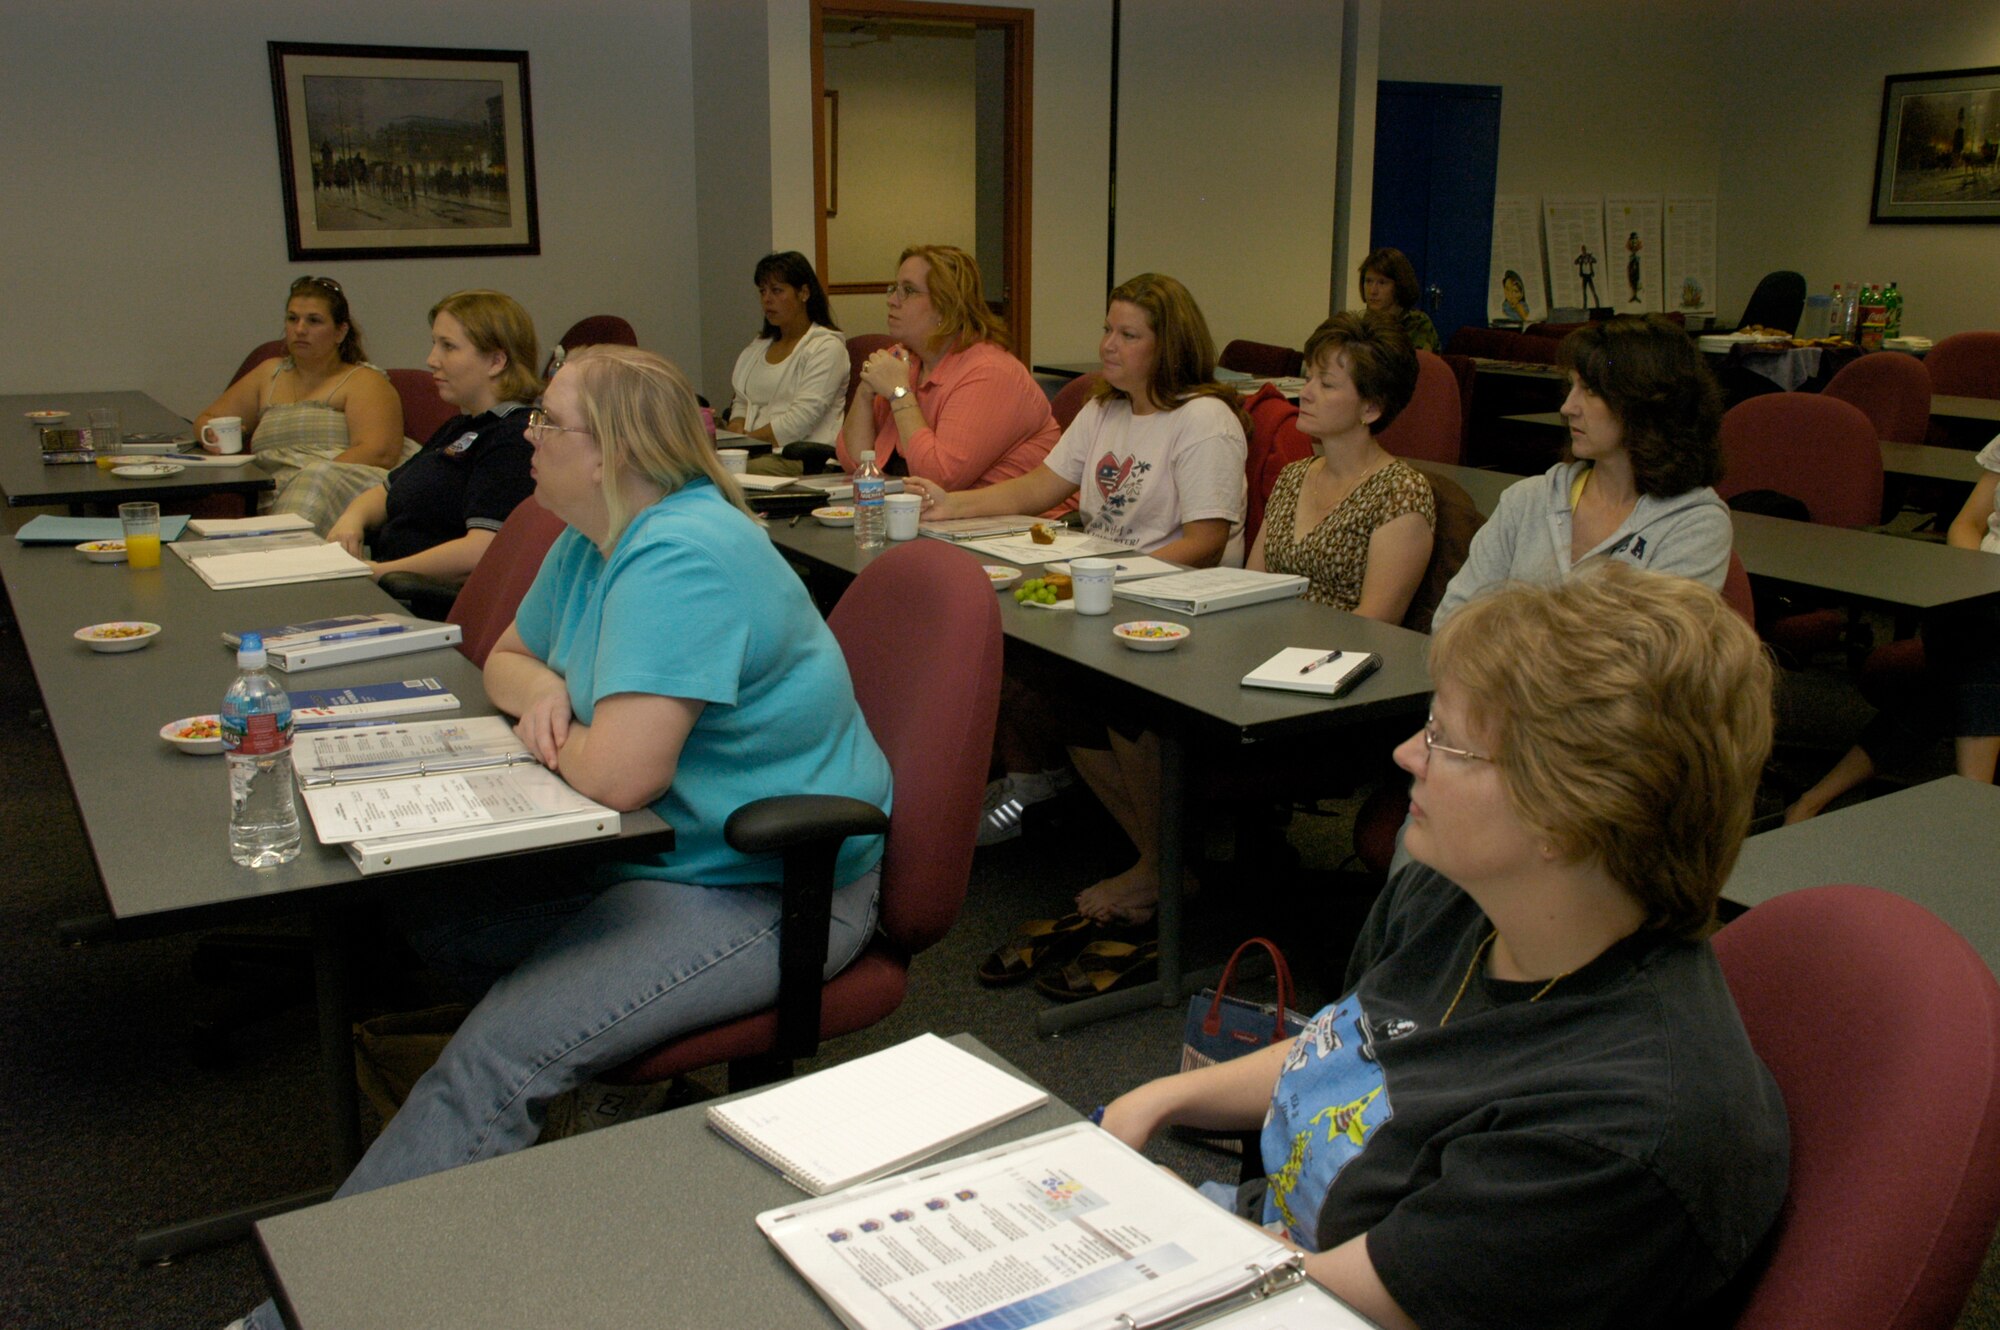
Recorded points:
(428, 597)
(808, 830)
(815, 456)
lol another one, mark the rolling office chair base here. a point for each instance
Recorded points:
(161, 1246)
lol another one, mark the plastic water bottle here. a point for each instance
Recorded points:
(871, 519)
(257, 742)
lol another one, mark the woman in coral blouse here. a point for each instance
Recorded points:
(948, 399)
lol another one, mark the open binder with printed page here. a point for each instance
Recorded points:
(1067, 1230)
(402, 796)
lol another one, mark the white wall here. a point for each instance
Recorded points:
(1773, 108)
(1800, 199)
(1228, 124)
(141, 205)
(732, 147)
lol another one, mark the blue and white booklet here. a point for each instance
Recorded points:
(368, 703)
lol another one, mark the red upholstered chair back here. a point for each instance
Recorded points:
(486, 603)
(1882, 1029)
(1262, 359)
(921, 632)
(1429, 427)
(1275, 443)
(598, 330)
(423, 410)
(1464, 371)
(1458, 521)
(1070, 398)
(1818, 449)
(256, 358)
(859, 348)
(1965, 364)
(1893, 390)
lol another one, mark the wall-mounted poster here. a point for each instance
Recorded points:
(392, 152)
(1939, 148)
(1632, 231)
(1515, 290)
(1690, 228)
(1579, 274)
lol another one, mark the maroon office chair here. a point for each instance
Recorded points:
(920, 628)
(256, 358)
(1070, 399)
(1429, 428)
(1458, 521)
(859, 348)
(424, 412)
(1465, 372)
(1262, 359)
(1964, 364)
(1893, 390)
(592, 330)
(485, 605)
(1882, 1029)
(1275, 443)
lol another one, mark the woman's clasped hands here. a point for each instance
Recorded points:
(545, 724)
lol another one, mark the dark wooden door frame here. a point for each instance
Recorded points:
(1019, 24)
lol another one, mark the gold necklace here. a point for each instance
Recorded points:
(1478, 953)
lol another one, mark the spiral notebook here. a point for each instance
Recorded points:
(874, 1115)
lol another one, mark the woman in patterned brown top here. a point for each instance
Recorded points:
(1353, 519)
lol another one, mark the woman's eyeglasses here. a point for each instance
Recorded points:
(326, 282)
(1431, 745)
(540, 425)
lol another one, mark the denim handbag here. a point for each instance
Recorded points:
(1220, 1027)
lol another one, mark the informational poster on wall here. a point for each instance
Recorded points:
(1632, 228)
(1516, 291)
(1690, 227)
(1579, 276)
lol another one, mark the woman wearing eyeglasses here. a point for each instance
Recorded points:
(665, 657)
(320, 401)
(948, 398)
(436, 513)
(1535, 1103)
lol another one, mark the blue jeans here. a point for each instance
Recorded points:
(575, 985)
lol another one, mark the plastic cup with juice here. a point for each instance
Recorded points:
(142, 534)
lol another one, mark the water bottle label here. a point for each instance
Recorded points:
(257, 734)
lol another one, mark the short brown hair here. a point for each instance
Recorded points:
(1629, 713)
(1394, 265)
(1184, 352)
(958, 296)
(495, 321)
(1381, 359)
(641, 410)
(1668, 404)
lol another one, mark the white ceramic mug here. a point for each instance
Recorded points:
(736, 460)
(903, 511)
(224, 434)
(1091, 581)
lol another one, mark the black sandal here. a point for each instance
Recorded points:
(1102, 967)
(1038, 944)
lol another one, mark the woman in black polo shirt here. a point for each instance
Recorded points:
(437, 512)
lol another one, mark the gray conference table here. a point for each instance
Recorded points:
(28, 480)
(1936, 843)
(157, 819)
(1866, 566)
(1192, 695)
(1921, 461)
(1965, 408)
(649, 1223)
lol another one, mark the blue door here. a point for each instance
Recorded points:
(1437, 155)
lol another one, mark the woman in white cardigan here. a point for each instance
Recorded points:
(790, 384)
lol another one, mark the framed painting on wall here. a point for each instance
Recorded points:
(390, 152)
(1935, 157)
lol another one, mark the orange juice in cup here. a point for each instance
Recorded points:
(142, 534)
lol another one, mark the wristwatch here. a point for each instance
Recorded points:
(897, 394)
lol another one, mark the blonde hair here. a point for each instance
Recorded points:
(1630, 715)
(958, 297)
(641, 410)
(494, 321)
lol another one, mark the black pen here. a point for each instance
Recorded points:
(1312, 665)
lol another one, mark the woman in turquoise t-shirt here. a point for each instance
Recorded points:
(665, 657)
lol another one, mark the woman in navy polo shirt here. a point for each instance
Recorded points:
(436, 513)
